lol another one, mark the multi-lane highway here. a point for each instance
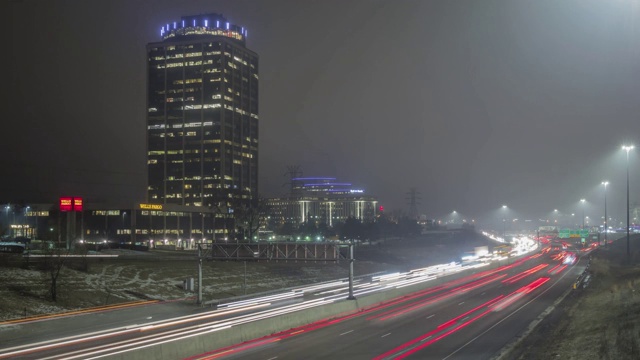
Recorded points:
(470, 317)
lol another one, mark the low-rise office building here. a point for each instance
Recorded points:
(141, 224)
(322, 200)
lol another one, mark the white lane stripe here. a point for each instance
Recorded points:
(344, 333)
(385, 335)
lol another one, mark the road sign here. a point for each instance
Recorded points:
(569, 233)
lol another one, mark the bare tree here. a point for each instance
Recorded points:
(53, 262)
(221, 205)
(250, 216)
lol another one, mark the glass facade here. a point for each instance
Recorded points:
(202, 120)
(321, 200)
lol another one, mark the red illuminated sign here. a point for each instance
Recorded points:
(70, 204)
(66, 204)
(77, 204)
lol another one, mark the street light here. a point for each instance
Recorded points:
(582, 201)
(26, 220)
(6, 208)
(627, 148)
(605, 183)
(504, 225)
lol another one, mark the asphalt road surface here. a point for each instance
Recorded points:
(461, 320)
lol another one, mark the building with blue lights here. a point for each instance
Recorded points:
(322, 200)
(202, 113)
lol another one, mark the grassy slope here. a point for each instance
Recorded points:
(113, 281)
(599, 322)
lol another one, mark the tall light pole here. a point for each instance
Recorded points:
(582, 201)
(504, 225)
(6, 208)
(628, 148)
(605, 183)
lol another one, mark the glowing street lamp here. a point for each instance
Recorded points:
(582, 201)
(504, 225)
(628, 148)
(605, 183)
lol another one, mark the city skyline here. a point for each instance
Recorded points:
(473, 105)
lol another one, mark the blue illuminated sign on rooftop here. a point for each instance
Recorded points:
(200, 25)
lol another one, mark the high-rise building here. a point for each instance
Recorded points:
(202, 113)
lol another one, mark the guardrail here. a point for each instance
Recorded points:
(583, 280)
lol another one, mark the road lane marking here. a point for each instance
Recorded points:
(344, 333)
(461, 303)
(508, 316)
(275, 357)
(430, 316)
(483, 293)
(385, 335)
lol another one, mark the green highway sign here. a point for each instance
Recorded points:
(568, 233)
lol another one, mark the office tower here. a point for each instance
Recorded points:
(202, 119)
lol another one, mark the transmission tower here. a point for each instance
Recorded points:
(413, 198)
(293, 172)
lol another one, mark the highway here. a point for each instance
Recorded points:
(469, 317)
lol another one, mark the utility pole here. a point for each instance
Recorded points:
(605, 183)
(413, 198)
(351, 260)
(199, 300)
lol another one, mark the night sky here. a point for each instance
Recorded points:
(475, 104)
